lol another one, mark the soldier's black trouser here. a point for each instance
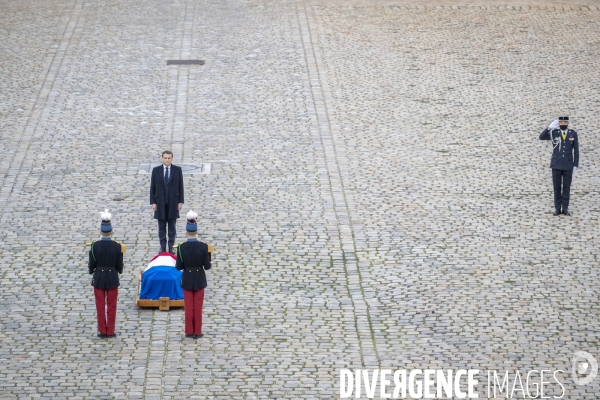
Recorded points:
(562, 188)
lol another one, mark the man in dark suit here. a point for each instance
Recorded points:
(565, 161)
(193, 259)
(106, 263)
(166, 198)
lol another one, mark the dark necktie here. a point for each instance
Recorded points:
(167, 175)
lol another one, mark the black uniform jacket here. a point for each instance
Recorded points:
(106, 263)
(193, 258)
(175, 191)
(565, 155)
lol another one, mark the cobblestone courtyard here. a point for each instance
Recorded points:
(377, 194)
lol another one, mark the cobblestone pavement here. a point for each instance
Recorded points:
(378, 195)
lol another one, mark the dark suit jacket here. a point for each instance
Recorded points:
(193, 259)
(174, 192)
(565, 155)
(106, 263)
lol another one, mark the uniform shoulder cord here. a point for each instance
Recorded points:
(179, 251)
(557, 142)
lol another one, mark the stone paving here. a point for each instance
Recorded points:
(378, 196)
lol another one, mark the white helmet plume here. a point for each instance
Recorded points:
(191, 216)
(105, 216)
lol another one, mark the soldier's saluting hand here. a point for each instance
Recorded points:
(564, 161)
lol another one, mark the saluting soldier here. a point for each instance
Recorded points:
(193, 259)
(564, 162)
(106, 263)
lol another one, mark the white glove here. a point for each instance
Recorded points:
(574, 169)
(553, 125)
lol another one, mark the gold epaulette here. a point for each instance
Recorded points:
(123, 247)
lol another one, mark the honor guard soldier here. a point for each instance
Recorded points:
(106, 263)
(193, 259)
(565, 160)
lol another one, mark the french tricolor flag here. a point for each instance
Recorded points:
(161, 278)
(163, 259)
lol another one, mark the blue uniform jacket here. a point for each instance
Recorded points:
(193, 259)
(565, 155)
(106, 263)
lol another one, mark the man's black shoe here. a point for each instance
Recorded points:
(101, 335)
(161, 250)
(198, 336)
(567, 213)
(556, 212)
(189, 336)
(111, 336)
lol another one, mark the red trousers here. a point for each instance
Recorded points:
(106, 308)
(192, 304)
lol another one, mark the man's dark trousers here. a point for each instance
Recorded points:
(162, 230)
(562, 188)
